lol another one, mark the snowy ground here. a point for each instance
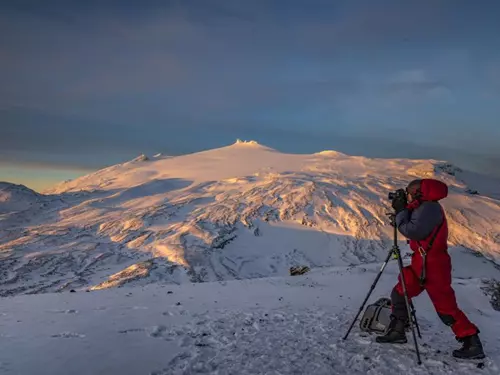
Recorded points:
(281, 325)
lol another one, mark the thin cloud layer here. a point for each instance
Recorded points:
(94, 81)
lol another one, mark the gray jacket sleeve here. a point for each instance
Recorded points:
(419, 223)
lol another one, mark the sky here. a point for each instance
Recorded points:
(92, 83)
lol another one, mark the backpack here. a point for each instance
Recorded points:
(377, 317)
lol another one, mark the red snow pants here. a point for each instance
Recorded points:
(439, 289)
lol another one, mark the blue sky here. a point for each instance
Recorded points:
(93, 83)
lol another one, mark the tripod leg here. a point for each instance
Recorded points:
(414, 314)
(369, 293)
(403, 282)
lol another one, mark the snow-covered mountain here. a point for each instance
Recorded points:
(243, 212)
(237, 212)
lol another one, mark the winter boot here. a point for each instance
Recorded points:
(471, 348)
(395, 334)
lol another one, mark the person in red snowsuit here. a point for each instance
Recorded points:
(423, 222)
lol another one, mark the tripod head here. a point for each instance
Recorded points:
(392, 218)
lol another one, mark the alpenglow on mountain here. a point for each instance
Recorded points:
(237, 212)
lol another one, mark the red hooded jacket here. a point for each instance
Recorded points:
(424, 217)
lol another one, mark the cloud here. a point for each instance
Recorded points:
(112, 81)
(416, 85)
(369, 26)
(29, 135)
(99, 58)
(415, 81)
(71, 52)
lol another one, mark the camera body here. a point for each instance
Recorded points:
(398, 194)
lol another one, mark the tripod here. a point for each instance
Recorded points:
(412, 318)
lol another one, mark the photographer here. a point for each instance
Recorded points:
(421, 219)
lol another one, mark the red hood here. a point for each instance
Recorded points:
(433, 190)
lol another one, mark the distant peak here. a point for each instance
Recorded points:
(330, 153)
(8, 186)
(251, 144)
(247, 143)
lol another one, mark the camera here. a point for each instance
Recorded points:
(398, 194)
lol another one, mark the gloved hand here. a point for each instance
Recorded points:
(399, 203)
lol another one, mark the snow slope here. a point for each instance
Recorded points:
(272, 326)
(237, 212)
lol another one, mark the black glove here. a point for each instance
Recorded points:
(399, 202)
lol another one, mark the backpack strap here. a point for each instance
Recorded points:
(423, 252)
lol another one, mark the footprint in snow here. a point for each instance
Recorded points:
(71, 311)
(364, 340)
(68, 335)
(132, 330)
(157, 331)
